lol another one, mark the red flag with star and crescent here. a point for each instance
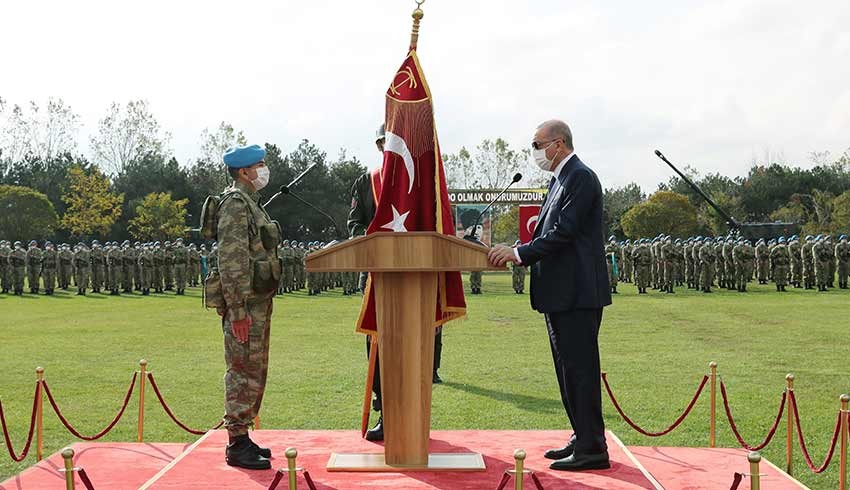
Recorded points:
(412, 193)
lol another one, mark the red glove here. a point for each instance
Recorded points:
(240, 329)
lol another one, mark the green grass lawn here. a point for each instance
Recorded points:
(496, 364)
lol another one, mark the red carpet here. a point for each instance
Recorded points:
(110, 465)
(206, 468)
(693, 468)
(201, 465)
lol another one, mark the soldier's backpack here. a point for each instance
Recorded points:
(212, 296)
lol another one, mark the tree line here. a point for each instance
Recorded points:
(132, 187)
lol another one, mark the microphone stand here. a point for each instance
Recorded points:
(294, 181)
(285, 190)
(472, 235)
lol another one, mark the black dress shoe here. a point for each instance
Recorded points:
(240, 453)
(562, 453)
(437, 379)
(581, 462)
(376, 433)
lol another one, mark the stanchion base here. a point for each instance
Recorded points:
(375, 462)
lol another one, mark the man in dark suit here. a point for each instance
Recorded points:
(569, 285)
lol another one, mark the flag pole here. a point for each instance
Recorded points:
(370, 380)
(417, 16)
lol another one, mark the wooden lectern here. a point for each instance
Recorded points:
(404, 269)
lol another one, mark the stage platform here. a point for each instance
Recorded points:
(201, 464)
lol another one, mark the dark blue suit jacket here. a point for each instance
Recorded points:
(567, 251)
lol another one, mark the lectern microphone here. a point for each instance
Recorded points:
(473, 232)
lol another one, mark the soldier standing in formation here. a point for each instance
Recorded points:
(842, 258)
(49, 264)
(248, 288)
(612, 250)
(5, 267)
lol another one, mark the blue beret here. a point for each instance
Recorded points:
(243, 156)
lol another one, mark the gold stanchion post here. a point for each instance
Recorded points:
(712, 418)
(39, 414)
(789, 381)
(143, 374)
(291, 454)
(755, 478)
(842, 458)
(68, 456)
(519, 458)
(257, 422)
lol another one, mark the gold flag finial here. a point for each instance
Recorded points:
(417, 16)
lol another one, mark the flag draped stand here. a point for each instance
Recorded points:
(414, 263)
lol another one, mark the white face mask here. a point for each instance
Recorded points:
(262, 179)
(540, 159)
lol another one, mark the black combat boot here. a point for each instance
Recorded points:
(241, 453)
(376, 433)
(614, 290)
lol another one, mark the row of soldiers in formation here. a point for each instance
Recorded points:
(729, 262)
(703, 262)
(143, 267)
(108, 267)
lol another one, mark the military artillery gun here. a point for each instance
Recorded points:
(750, 231)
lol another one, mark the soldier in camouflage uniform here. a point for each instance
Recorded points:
(18, 266)
(129, 257)
(97, 266)
(475, 282)
(762, 260)
(115, 265)
(823, 256)
(300, 267)
(49, 264)
(780, 262)
(707, 260)
(66, 266)
(145, 260)
(82, 268)
(248, 287)
(5, 267)
(612, 251)
(668, 261)
(34, 257)
(158, 268)
(180, 258)
(842, 258)
(831, 272)
(642, 258)
(193, 266)
(628, 264)
(795, 251)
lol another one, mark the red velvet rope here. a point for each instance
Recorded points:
(27, 445)
(106, 429)
(808, 458)
(675, 424)
(504, 481)
(85, 479)
(171, 414)
(732, 424)
(536, 482)
(279, 476)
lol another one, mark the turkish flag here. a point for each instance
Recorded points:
(528, 215)
(413, 195)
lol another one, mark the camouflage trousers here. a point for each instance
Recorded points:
(518, 278)
(642, 276)
(612, 278)
(706, 276)
(247, 368)
(48, 275)
(475, 280)
(33, 275)
(180, 276)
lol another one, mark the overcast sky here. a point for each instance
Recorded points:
(711, 83)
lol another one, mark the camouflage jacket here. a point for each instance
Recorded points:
(246, 265)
